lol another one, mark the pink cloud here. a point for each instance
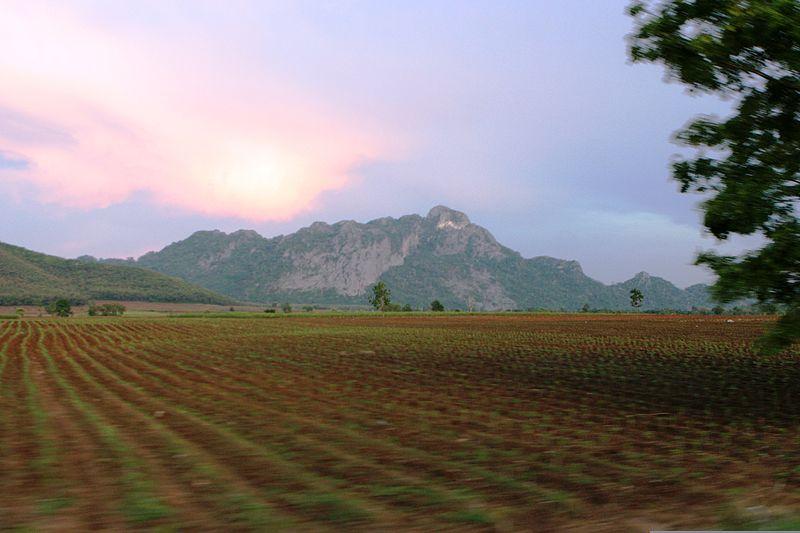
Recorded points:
(106, 113)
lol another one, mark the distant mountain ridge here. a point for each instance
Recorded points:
(31, 278)
(440, 256)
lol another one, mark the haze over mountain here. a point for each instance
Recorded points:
(31, 278)
(442, 255)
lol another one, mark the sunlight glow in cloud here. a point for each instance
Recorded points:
(97, 113)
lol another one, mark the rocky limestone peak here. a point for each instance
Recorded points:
(573, 267)
(246, 234)
(446, 218)
(204, 236)
(207, 232)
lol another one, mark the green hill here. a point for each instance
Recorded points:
(30, 278)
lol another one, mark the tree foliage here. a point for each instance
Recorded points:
(636, 298)
(110, 309)
(60, 307)
(436, 305)
(748, 163)
(381, 296)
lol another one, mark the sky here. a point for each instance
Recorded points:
(125, 126)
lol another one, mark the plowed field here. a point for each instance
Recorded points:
(504, 422)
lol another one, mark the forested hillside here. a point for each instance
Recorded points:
(30, 278)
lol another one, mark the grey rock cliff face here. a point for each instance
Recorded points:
(455, 234)
(349, 262)
(349, 257)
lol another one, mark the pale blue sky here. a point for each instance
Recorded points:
(525, 115)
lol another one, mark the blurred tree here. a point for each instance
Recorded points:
(436, 305)
(766, 308)
(106, 310)
(636, 298)
(113, 310)
(60, 308)
(749, 163)
(381, 296)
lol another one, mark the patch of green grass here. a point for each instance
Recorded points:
(332, 509)
(736, 491)
(411, 496)
(53, 505)
(140, 505)
(251, 513)
(469, 517)
(734, 519)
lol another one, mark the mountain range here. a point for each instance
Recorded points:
(32, 278)
(439, 256)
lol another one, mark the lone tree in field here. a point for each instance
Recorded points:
(381, 296)
(636, 298)
(60, 308)
(436, 305)
(749, 162)
(106, 310)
